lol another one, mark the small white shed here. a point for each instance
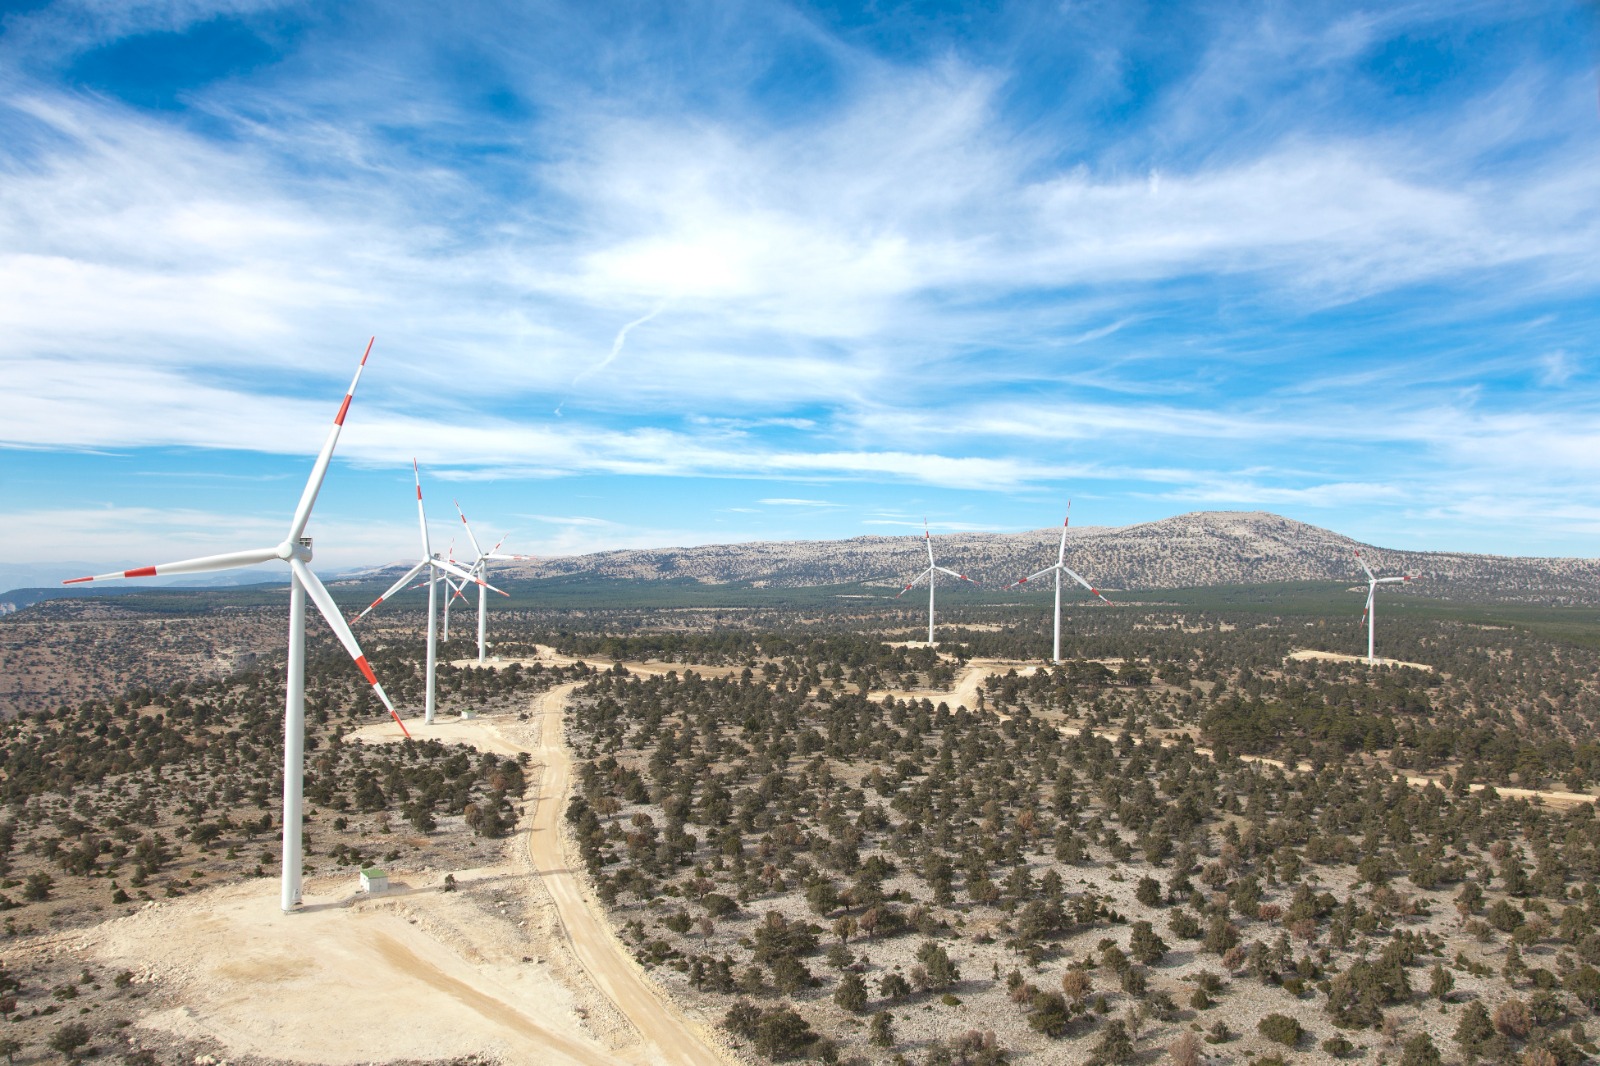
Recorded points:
(374, 880)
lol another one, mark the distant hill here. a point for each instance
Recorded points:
(1202, 548)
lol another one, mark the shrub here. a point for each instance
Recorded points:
(851, 995)
(37, 889)
(881, 1032)
(782, 1034)
(1050, 1015)
(942, 973)
(1337, 1046)
(1584, 983)
(1512, 1018)
(717, 905)
(1184, 925)
(741, 1019)
(1504, 917)
(1474, 1028)
(1145, 945)
(70, 1040)
(1281, 1028)
(1184, 1051)
(1419, 1051)
(1115, 1047)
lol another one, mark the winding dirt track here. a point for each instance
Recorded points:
(604, 959)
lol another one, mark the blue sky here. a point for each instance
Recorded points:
(698, 272)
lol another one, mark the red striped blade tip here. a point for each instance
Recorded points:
(368, 351)
(344, 409)
(366, 671)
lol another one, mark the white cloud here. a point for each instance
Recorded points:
(1557, 368)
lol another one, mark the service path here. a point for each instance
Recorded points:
(604, 957)
(668, 1036)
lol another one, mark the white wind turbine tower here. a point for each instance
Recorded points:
(1370, 615)
(480, 567)
(295, 550)
(1058, 569)
(931, 573)
(438, 570)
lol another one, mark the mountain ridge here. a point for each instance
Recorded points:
(1188, 550)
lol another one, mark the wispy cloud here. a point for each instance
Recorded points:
(1214, 244)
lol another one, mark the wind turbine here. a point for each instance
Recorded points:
(1058, 569)
(1370, 614)
(480, 566)
(930, 573)
(438, 570)
(295, 550)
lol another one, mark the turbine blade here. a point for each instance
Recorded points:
(396, 587)
(470, 537)
(422, 517)
(927, 538)
(319, 469)
(912, 583)
(466, 575)
(952, 573)
(1033, 577)
(1364, 565)
(1061, 555)
(1074, 575)
(202, 565)
(336, 622)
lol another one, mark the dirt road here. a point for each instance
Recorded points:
(666, 1034)
(605, 959)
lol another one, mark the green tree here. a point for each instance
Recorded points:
(851, 995)
(1050, 1015)
(1441, 982)
(1115, 1047)
(1280, 1028)
(1474, 1028)
(741, 1019)
(1221, 935)
(942, 972)
(1584, 983)
(1419, 1051)
(881, 1032)
(1145, 945)
(823, 896)
(70, 1040)
(782, 1034)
